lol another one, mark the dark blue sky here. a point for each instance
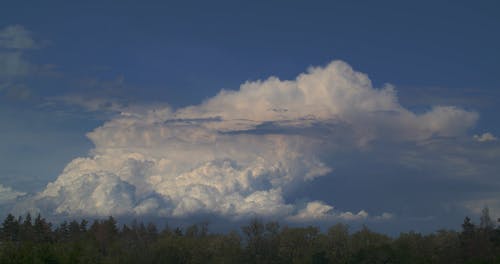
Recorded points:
(181, 53)
(161, 46)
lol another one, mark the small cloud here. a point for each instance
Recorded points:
(349, 216)
(485, 137)
(320, 211)
(7, 194)
(316, 210)
(15, 41)
(16, 37)
(384, 216)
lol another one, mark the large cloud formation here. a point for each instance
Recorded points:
(241, 153)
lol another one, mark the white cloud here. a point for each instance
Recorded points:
(241, 152)
(335, 93)
(485, 137)
(316, 210)
(16, 37)
(7, 194)
(320, 211)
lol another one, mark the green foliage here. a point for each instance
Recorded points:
(24, 240)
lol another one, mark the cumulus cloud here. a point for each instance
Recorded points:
(7, 194)
(320, 211)
(485, 137)
(241, 153)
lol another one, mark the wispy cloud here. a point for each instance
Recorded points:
(422, 97)
(14, 64)
(99, 96)
(90, 103)
(17, 37)
(16, 68)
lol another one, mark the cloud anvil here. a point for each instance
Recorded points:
(241, 153)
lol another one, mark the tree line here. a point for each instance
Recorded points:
(28, 240)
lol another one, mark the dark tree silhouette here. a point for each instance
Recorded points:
(23, 240)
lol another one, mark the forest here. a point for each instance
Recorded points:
(27, 240)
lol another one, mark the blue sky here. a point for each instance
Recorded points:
(70, 69)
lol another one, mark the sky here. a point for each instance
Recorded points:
(365, 112)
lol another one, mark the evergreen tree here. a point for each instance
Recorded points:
(42, 229)
(485, 221)
(26, 229)
(10, 228)
(263, 243)
(83, 225)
